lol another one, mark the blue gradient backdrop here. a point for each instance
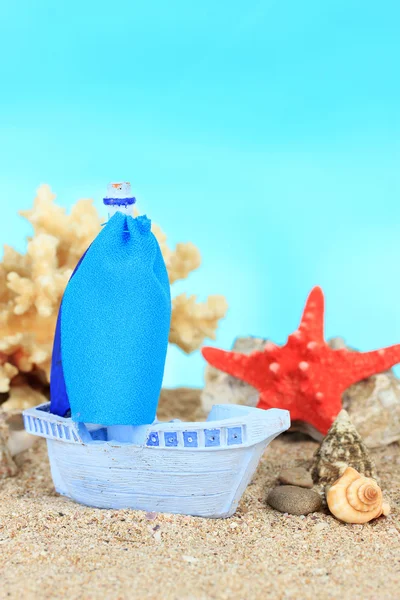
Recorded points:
(267, 133)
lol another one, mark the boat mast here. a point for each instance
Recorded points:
(119, 199)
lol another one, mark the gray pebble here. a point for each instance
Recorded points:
(294, 500)
(296, 476)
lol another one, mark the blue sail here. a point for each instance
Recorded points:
(113, 327)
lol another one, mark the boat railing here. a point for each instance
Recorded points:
(39, 421)
(227, 426)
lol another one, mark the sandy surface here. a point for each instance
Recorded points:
(51, 547)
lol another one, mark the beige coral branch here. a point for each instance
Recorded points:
(43, 288)
(185, 259)
(14, 261)
(24, 290)
(181, 261)
(7, 372)
(22, 397)
(192, 322)
(31, 288)
(24, 352)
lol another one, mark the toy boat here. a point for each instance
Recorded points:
(199, 469)
(105, 446)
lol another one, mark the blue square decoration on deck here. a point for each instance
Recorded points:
(234, 435)
(171, 438)
(153, 440)
(190, 439)
(212, 437)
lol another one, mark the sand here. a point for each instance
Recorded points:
(51, 547)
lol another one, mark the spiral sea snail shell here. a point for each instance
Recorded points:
(354, 498)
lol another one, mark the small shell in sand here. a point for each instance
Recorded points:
(354, 498)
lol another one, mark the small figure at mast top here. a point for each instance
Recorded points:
(119, 199)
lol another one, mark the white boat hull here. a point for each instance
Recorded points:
(206, 479)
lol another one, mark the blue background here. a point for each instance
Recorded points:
(267, 133)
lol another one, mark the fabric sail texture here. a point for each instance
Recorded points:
(112, 331)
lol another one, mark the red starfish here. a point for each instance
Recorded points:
(305, 376)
